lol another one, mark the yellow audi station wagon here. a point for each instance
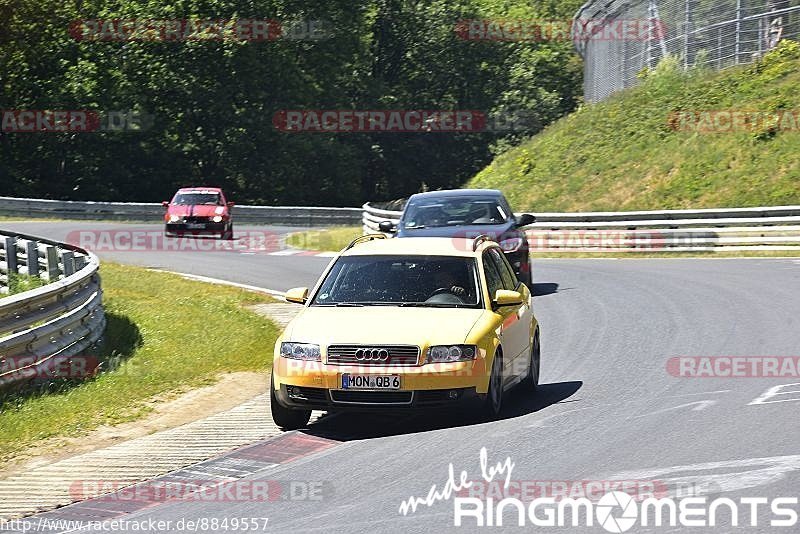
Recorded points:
(415, 323)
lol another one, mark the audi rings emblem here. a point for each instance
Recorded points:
(372, 355)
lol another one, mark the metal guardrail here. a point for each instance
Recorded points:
(45, 326)
(138, 211)
(726, 229)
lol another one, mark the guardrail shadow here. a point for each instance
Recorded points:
(348, 426)
(120, 340)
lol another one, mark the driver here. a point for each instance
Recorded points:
(446, 280)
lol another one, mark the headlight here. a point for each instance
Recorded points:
(174, 218)
(300, 351)
(450, 353)
(217, 218)
(512, 244)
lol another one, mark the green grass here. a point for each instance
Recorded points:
(332, 239)
(165, 334)
(621, 154)
(18, 283)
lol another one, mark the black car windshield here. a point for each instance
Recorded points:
(453, 211)
(418, 281)
(194, 199)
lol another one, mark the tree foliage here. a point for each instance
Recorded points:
(208, 105)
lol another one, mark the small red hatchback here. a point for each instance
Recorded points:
(198, 211)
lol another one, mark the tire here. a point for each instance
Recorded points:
(286, 418)
(228, 234)
(493, 403)
(531, 382)
(527, 278)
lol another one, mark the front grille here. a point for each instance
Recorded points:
(196, 219)
(398, 354)
(372, 397)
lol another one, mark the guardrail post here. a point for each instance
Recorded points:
(51, 259)
(80, 262)
(68, 260)
(32, 258)
(10, 244)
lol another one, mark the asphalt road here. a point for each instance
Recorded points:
(608, 408)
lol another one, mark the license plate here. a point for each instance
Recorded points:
(370, 381)
(195, 226)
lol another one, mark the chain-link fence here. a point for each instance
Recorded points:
(620, 38)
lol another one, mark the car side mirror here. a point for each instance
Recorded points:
(387, 227)
(525, 219)
(165, 203)
(504, 297)
(297, 295)
(231, 204)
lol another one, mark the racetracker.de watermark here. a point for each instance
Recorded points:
(528, 490)
(211, 490)
(402, 121)
(81, 120)
(146, 240)
(734, 366)
(181, 30)
(734, 121)
(47, 367)
(511, 30)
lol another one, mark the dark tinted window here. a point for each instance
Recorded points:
(435, 281)
(429, 212)
(493, 279)
(504, 268)
(196, 199)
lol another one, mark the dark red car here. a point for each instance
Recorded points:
(198, 211)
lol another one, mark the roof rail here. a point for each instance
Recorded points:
(363, 239)
(483, 238)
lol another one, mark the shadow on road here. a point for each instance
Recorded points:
(541, 289)
(517, 403)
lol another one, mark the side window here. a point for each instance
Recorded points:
(510, 281)
(493, 280)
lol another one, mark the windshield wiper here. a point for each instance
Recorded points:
(430, 305)
(417, 227)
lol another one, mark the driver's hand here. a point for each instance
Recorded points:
(457, 290)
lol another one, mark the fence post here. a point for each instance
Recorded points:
(737, 49)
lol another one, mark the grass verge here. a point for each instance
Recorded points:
(330, 239)
(165, 335)
(629, 153)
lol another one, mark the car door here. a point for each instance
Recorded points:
(516, 325)
(494, 282)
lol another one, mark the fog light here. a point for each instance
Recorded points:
(294, 391)
(452, 394)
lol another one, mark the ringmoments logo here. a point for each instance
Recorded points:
(615, 511)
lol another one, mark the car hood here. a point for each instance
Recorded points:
(387, 325)
(494, 231)
(198, 210)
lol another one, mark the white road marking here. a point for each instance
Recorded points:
(763, 471)
(702, 393)
(198, 278)
(774, 392)
(698, 407)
